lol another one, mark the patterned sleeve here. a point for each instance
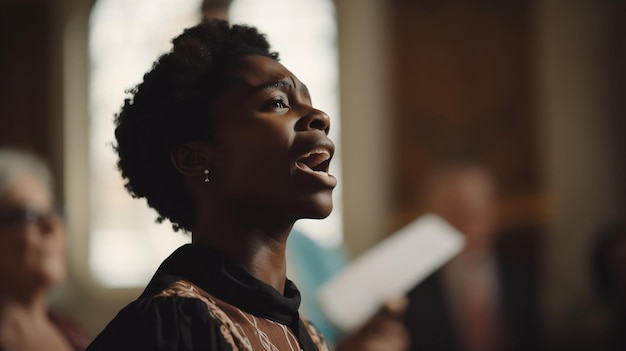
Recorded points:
(164, 324)
(316, 336)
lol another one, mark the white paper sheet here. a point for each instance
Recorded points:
(388, 270)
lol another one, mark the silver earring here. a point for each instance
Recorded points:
(206, 176)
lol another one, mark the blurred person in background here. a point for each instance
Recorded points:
(481, 300)
(32, 258)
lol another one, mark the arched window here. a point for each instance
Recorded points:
(126, 36)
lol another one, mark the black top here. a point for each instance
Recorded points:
(177, 322)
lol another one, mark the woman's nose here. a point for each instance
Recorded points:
(315, 119)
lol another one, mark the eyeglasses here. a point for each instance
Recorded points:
(26, 214)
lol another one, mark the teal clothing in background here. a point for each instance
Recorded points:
(310, 265)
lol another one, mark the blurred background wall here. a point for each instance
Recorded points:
(535, 89)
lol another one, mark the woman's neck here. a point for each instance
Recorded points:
(259, 248)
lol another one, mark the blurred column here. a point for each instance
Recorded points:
(364, 93)
(576, 106)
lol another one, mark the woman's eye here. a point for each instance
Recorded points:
(277, 104)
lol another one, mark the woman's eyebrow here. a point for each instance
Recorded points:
(282, 84)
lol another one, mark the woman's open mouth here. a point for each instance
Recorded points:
(315, 164)
(317, 160)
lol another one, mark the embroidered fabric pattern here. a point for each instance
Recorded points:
(231, 331)
(244, 331)
(263, 338)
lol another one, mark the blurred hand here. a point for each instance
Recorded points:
(383, 332)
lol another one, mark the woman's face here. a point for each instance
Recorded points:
(272, 146)
(32, 238)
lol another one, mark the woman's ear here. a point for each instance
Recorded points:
(192, 159)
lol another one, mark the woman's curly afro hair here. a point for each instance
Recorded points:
(172, 107)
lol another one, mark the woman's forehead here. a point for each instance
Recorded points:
(259, 72)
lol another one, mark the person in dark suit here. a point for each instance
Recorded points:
(482, 300)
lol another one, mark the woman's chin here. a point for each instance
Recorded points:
(319, 209)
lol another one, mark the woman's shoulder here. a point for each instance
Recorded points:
(161, 322)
